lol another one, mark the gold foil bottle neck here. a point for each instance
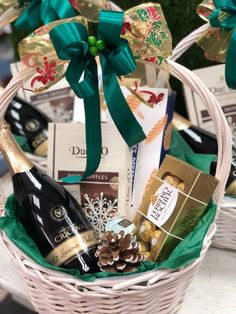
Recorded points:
(12, 153)
(180, 123)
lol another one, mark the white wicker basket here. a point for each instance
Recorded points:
(153, 292)
(225, 237)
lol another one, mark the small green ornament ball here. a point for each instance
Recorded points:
(92, 41)
(100, 44)
(93, 51)
(95, 45)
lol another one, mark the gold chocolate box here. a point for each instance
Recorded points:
(172, 206)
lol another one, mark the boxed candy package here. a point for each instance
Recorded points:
(110, 186)
(174, 201)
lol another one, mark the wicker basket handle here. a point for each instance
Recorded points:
(223, 132)
(188, 41)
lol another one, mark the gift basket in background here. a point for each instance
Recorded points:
(62, 265)
(216, 38)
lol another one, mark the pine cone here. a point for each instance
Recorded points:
(116, 253)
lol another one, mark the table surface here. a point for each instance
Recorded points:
(213, 290)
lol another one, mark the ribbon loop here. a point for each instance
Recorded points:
(71, 42)
(69, 39)
(44, 11)
(110, 26)
(122, 59)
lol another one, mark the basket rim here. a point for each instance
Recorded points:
(151, 277)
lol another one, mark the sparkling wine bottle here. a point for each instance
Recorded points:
(24, 119)
(204, 142)
(49, 213)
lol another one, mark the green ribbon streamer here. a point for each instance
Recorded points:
(44, 11)
(224, 17)
(70, 41)
(117, 61)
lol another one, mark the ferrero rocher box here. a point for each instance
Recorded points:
(174, 201)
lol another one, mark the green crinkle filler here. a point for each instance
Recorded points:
(23, 143)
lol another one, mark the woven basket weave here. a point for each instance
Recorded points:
(225, 237)
(152, 292)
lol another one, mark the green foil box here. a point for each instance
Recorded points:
(174, 212)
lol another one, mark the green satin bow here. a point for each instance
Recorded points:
(70, 41)
(224, 16)
(44, 11)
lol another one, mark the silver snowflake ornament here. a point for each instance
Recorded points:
(100, 211)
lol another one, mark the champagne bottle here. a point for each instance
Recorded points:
(204, 142)
(49, 213)
(24, 119)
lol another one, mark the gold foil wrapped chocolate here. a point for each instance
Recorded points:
(142, 247)
(144, 27)
(147, 255)
(146, 230)
(155, 237)
(174, 181)
(214, 41)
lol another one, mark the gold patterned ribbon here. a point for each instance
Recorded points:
(144, 27)
(214, 41)
(11, 10)
(6, 4)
